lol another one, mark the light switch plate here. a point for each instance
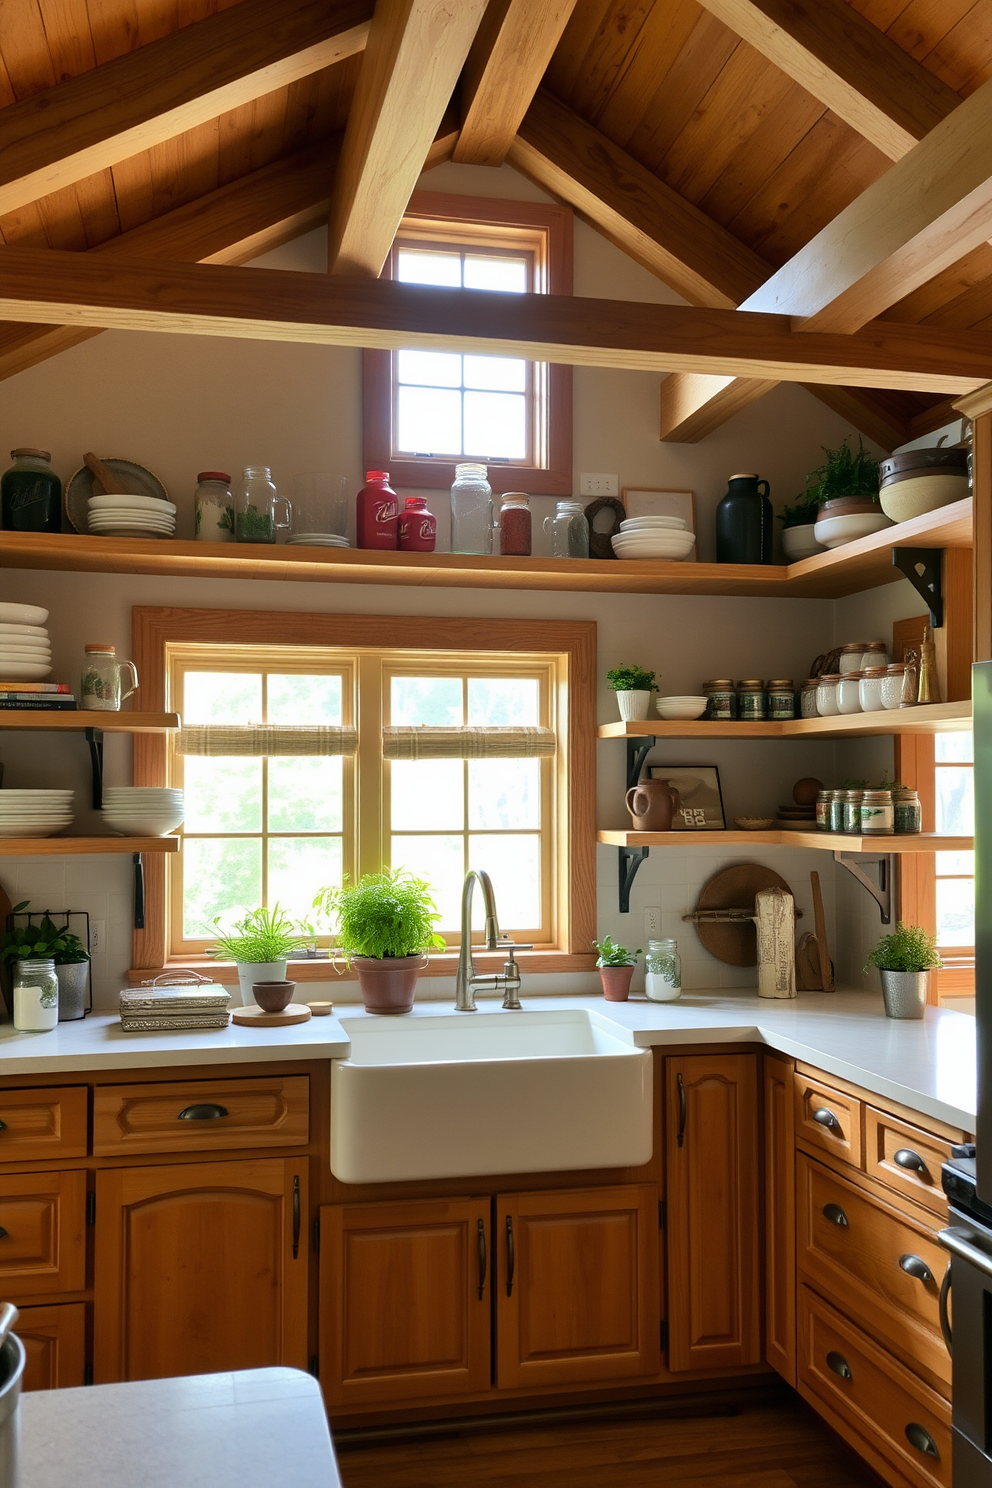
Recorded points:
(598, 485)
(652, 923)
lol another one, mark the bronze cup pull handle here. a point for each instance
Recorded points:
(919, 1437)
(912, 1162)
(823, 1116)
(916, 1266)
(483, 1259)
(209, 1111)
(510, 1259)
(3, 1126)
(839, 1365)
(836, 1215)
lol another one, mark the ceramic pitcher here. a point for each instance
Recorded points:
(652, 804)
(744, 522)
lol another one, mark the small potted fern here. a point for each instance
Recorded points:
(845, 488)
(633, 687)
(385, 930)
(905, 960)
(260, 946)
(616, 967)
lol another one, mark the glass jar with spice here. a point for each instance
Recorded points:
(780, 698)
(31, 493)
(835, 815)
(870, 688)
(36, 996)
(213, 506)
(849, 692)
(826, 695)
(663, 971)
(823, 800)
(569, 530)
(722, 695)
(515, 525)
(751, 699)
(907, 811)
(852, 811)
(877, 819)
(892, 684)
(807, 699)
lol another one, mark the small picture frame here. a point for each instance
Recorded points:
(649, 501)
(700, 807)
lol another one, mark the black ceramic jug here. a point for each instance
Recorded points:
(744, 522)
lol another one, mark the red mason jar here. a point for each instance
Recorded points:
(378, 512)
(514, 525)
(418, 526)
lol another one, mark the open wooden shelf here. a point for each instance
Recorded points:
(67, 721)
(56, 847)
(847, 570)
(929, 718)
(915, 842)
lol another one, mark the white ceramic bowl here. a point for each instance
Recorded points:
(22, 614)
(834, 532)
(139, 826)
(681, 707)
(674, 546)
(35, 795)
(922, 493)
(800, 542)
(22, 632)
(655, 524)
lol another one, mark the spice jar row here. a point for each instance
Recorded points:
(863, 812)
(750, 699)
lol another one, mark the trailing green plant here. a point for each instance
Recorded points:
(908, 948)
(630, 679)
(263, 935)
(844, 473)
(384, 915)
(853, 783)
(45, 941)
(612, 954)
(802, 513)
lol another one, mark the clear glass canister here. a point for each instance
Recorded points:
(255, 518)
(826, 695)
(781, 698)
(471, 510)
(852, 811)
(722, 698)
(36, 996)
(663, 971)
(751, 698)
(569, 530)
(877, 819)
(214, 507)
(906, 810)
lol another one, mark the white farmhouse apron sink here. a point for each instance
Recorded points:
(480, 1093)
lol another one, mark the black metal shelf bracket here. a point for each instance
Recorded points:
(922, 567)
(883, 892)
(94, 738)
(637, 752)
(631, 858)
(139, 891)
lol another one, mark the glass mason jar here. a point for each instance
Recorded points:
(663, 971)
(781, 698)
(255, 504)
(835, 811)
(823, 800)
(515, 525)
(877, 818)
(870, 688)
(807, 699)
(30, 493)
(722, 698)
(892, 684)
(471, 510)
(906, 810)
(213, 507)
(101, 680)
(826, 695)
(36, 996)
(569, 530)
(849, 693)
(751, 698)
(852, 811)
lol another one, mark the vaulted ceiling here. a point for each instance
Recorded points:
(713, 142)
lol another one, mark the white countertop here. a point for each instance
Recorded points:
(258, 1428)
(927, 1065)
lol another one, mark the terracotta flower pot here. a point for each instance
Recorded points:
(616, 982)
(388, 985)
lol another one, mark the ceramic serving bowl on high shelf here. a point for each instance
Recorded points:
(685, 707)
(846, 522)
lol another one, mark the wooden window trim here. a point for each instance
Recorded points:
(154, 627)
(554, 479)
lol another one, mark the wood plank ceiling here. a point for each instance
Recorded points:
(655, 118)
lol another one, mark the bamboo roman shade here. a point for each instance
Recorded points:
(220, 740)
(426, 742)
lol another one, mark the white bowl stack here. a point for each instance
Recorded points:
(25, 649)
(317, 540)
(143, 811)
(684, 706)
(654, 537)
(34, 813)
(131, 516)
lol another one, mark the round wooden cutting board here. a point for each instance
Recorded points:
(256, 1017)
(735, 888)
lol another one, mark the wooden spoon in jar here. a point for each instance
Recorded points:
(106, 477)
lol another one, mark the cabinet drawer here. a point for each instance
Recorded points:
(201, 1115)
(864, 1255)
(43, 1239)
(828, 1119)
(906, 1159)
(54, 1340)
(43, 1125)
(907, 1423)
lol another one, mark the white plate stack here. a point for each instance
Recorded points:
(25, 650)
(318, 540)
(34, 813)
(654, 537)
(131, 516)
(143, 811)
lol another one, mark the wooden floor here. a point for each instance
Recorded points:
(767, 1443)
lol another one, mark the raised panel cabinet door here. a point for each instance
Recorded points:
(42, 1234)
(43, 1125)
(714, 1290)
(405, 1300)
(200, 1268)
(54, 1340)
(576, 1283)
(194, 1116)
(779, 1133)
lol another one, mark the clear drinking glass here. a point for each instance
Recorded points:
(320, 505)
(255, 519)
(471, 510)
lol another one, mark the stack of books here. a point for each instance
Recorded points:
(146, 1010)
(51, 696)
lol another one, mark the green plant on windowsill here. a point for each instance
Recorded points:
(844, 474)
(383, 916)
(908, 948)
(261, 937)
(45, 941)
(610, 953)
(630, 679)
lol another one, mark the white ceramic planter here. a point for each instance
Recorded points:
(250, 972)
(800, 542)
(633, 706)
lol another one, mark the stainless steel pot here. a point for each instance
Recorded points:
(12, 1360)
(905, 993)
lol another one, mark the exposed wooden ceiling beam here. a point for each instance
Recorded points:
(504, 69)
(168, 87)
(838, 56)
(415, 52)
(273, 305)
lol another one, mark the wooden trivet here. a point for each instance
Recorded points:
(735, 943)
(256, 1017)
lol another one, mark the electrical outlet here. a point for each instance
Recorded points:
(98, 932)
(598, 485)
(652, 923)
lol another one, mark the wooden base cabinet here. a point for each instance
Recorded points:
(712, 1157)
(200, 1267)
(54, 1340)
(779, 1143)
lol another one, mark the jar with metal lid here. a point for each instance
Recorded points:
(569, 530)
(850, 657)
(892, 685)
(852, 811)
(514, 525)
(722, 696)
(780, 698)
(36, 996)
(826, 695)
(835, 811)
(849, 693)
(877, 818)
(663, 971)
(870, 688)
(907, 811)
(876, 653)
(823, 800)
(31, 493)
(807, 698)
(751, 698)
(471, 509)
(213, 506)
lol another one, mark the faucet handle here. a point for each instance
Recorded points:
(507, 943)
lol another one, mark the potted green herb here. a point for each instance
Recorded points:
(616, 967)
(633, 687)
(846, 489)
(47, 941)
(385, 929)
(798, 521)
(260, 946)
(905, 960)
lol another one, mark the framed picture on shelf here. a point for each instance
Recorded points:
(700, 807)
(647, 501)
